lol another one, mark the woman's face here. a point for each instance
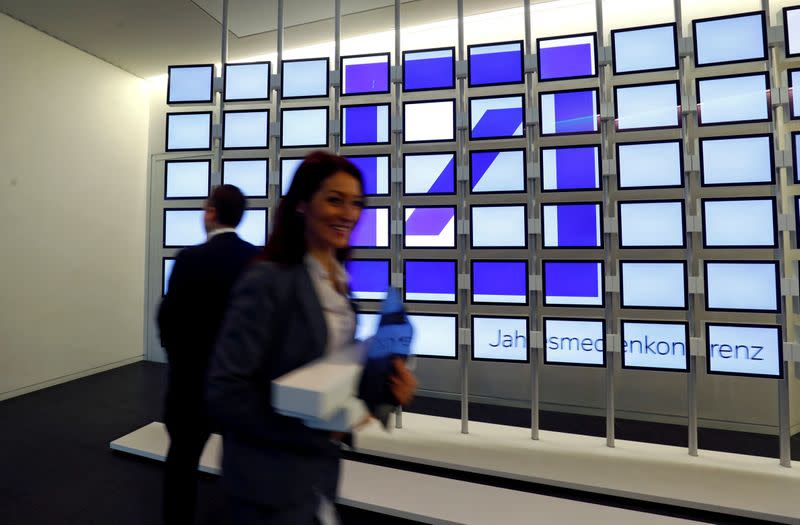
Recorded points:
(332, 212)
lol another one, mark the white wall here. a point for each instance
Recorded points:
(72, 212)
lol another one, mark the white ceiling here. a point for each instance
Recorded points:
(143, 37)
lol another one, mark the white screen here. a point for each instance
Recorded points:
(747, 222)
(250, 176)
(736, 99)
(498, 226)
(247, 81)
(651, 224)
(741, 286)
(253, 227)
(304, 127)
(646, 165)
(752, 350)
(246, 129)
(190, 84)
(305, 78)
(429, 121)
(183, 227)
(188, 131)
(187, 179)
(366, 325)
(794, 83)
(651, 106)
(434, 335)
(654, 345)
(574, 342)
(644, 49)
(168, 264)
(498, 338)
(730, 39)
(738, 160)
(653, 284)
(793, 30)
(288, 169)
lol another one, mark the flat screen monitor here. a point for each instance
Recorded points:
(429, 173)
(430, 281)
(566, 57)
(796, 155)
(365, 74)
(288, 169)
(647, 106)
(570, 168)
(653, 284)
(744, 350)
(573, 283)
(372, 229)
(187, 179)
(791, 30)
(794, 101)
(253, 227)
(496, 117)
(304, 127)
(655, 345)
(429, 227)
(569, 341)
(499, 282)
(497, 171)
(745, 286)
(245, 129)
(569, 112)
(732, 161)
(730, 39)
(375, 172)
(747, 222)
(369, 278)
(652, 224)
(183, 227)
(648, 48)
(495, 64)
(499, 226)
(572, 225)
(305, 78)
(189, 131)
(167, 263)
(249, 175)
(427, 69)
(247, 82)
(434, 334)
(429, 121)
(192, 84)
(365, 124)
(733, 99)
(503, 339)
(650, 165)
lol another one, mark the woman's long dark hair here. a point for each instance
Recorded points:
(287, 243)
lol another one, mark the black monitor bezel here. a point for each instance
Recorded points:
(452, 85)
(794, 113)
(167, 163)
(388, 175)
(771, 199)
(767, 99)
(249, 159)
(280, 174)
(498, 360)
(472, 300)
(470, 47)
(388, 262)
(646, 142)
(524, 206)
(600, 219)
(744, 325)
(421, 301)
(227, 112)
(764, 47)
(307, 146)
(257, 99)
(388, 230)
(210, 98)
(599, 162)
(620, 203)
(419, 102)
(428, 314)
(210, 115)
(375, 104)
(386, 54)
(602, 264)
(455, 233)
(774, 264)
(327, 78)
(702, 140)
(687, 345)
(596, 92)
(786, 10)
(602, 322)
(521, 96)
(507, 192)
(164, 273)
(424, 154)
(563, 37)
(644, 28)
(678, 119)
(684, 265)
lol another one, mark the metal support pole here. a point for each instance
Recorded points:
(217, 153)
(398, 155)
(461, 160)
(337, 46)
(275, 153)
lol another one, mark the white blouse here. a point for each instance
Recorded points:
(339, 317)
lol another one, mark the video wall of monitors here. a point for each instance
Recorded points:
(556, 215)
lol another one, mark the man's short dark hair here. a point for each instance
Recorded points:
(230, 203)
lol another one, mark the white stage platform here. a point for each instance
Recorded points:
(422, 497)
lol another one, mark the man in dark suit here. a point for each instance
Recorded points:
(189, 320)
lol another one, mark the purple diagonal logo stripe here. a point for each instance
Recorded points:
(574, 111)
(368, 166)
(368, 276)
(481, 161)
(445, 181)
(493, 68)
(366, 78)
(430, 277)
(428, 221)
(362, 124)
(572, 279)
(366, 231)
(575, 168)
(499, 278)
(566, 61)
(577, 225)
(498, 123)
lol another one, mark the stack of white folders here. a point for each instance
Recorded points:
(322, 394)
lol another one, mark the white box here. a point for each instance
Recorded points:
(343, 420)
(317, 390)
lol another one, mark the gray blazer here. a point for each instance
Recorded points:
(274, 324)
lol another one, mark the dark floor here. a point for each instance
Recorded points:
(56, 467)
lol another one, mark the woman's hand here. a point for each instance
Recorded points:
(402, 383)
